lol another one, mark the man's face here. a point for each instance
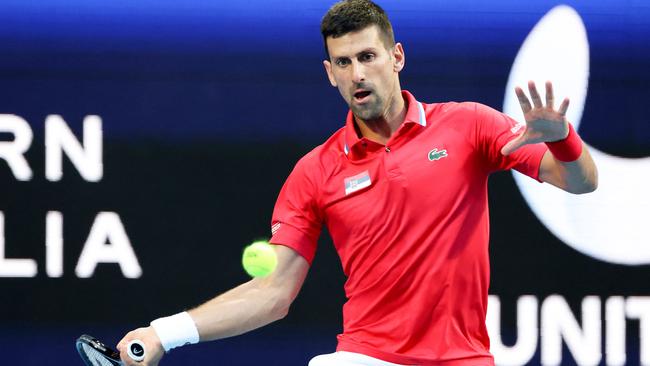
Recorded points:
(365, 71)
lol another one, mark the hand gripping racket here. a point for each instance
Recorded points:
(95, 353)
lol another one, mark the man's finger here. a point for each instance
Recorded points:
(564, 106)
(549, 95)
(123, 341)
(534, 95)
(126, 360)
(523, 100)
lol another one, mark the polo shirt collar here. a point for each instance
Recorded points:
(414, 114)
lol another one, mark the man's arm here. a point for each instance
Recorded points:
(249, 306)
(545, 124)
(577, 177)
(255, 303)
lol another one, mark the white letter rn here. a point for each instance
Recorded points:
(87, 158)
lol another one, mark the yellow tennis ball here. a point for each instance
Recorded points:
(259, 259)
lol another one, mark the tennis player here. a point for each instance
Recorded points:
(402, 188)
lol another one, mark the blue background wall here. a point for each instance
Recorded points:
(206, 106)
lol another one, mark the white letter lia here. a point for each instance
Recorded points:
(108, 243)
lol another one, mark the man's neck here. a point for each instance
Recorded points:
(381, 129)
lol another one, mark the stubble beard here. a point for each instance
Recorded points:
(371, 111)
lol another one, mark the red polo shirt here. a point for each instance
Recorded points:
(409, 220)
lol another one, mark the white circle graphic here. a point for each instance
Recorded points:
(611, 224)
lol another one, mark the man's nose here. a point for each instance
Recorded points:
(358, 72)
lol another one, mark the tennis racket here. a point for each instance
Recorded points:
(95, 353)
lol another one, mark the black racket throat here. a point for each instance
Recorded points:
(95, 353)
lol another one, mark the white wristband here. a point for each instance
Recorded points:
(176, 330)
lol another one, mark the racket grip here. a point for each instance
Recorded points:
(135, 349)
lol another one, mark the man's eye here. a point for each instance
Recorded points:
(367, 57)
(342, 62)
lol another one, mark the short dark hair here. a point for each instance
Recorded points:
(354, 15)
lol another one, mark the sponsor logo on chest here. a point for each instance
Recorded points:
(436, 154)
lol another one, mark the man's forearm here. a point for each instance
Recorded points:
(579, 176)
(242, 309)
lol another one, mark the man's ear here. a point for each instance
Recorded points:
(328, 70)
(400, 58)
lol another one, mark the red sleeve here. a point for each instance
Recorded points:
(296, 220)
(494, 130)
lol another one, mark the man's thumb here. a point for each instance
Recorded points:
(513, 145)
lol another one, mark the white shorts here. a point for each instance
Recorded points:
(343, 358)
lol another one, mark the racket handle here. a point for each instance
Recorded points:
(135, 350)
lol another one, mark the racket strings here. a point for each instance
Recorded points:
(95, 357)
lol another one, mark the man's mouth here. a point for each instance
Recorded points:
(360, 96)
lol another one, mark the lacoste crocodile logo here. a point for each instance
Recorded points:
(436, 154)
